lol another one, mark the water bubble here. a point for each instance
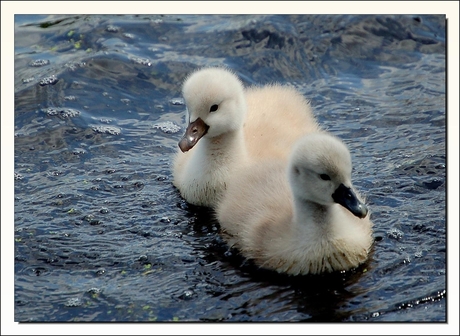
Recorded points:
(167, 127)
(61, 112)
(88, 218)
(74, 302)
(95, 222)
(125, 100)
(39, 63)
(112, 130)
(100, 272)
(187, 295)
(162, 178)
(28, 80)
(395, 233)
(112, 28)
(50, 80)
(165, 220)
(78, 151)
(177, 101)
(52, 260)
(55, 173)
(140, 60)
(70, 98)
(94, 290)
(128, 35)
(72, 66)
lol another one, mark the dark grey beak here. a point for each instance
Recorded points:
(347, 198)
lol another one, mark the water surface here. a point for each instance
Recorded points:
(102, 235)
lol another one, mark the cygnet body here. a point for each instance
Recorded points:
(301, 218)
(229, 127)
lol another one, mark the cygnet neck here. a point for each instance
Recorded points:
(311, 215)
(230, 144)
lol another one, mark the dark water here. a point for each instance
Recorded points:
(102, 235)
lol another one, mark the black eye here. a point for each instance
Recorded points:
(214, 108)
(325, 177)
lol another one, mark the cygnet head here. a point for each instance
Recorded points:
(320, 172)
(215, 105)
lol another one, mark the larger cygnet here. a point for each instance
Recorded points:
(301, 218)
(229, 127)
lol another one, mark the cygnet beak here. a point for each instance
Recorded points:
(193, 133)
(347, 198)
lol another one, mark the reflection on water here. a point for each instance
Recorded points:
(102, 235)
